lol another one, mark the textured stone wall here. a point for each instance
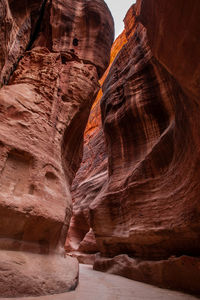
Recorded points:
(52, 58)
(90, 177)
(145, 218)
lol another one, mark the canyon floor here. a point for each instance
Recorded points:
(96, 285)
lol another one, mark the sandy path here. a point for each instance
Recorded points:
(101, 286)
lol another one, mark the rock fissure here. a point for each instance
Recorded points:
(38, 25)
(29, 44)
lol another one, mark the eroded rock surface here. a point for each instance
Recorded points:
(146, 216)
(178, 52)
(43, 113)
(90, 177)
(18, 22)
(149, 209)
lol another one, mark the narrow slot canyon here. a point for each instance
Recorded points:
(99, 150)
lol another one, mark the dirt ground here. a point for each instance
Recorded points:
(95, 285)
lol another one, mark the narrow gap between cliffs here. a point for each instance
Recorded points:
(32, 39)
(37, 26)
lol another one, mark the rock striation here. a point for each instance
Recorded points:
(52, 56)
(184, 19)
(90, 177)
(145, 218)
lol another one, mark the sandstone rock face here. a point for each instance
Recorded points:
(43, 113)
(148, 208)
(162, 18)
(45, 274)
(90, 178)
(18, 22)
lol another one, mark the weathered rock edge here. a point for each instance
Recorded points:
(52, 56)
(177, 273)
(46, 274)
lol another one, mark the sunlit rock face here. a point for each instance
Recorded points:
(146, 216)
(91, 177)
(43, 112)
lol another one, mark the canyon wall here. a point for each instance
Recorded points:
(145, 213)
(90, 177)
(52, 56)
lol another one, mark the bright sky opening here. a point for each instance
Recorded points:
(119, 9)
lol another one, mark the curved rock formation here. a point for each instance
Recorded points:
(145, 212)
(90, 178)
(43, 112)
(149, 209)
(173, 34)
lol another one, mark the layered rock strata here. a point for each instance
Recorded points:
(90, 177)
(173, 34)
(43, 112)
(146, 218)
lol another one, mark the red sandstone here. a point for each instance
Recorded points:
(57, 52)
(145, 215)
